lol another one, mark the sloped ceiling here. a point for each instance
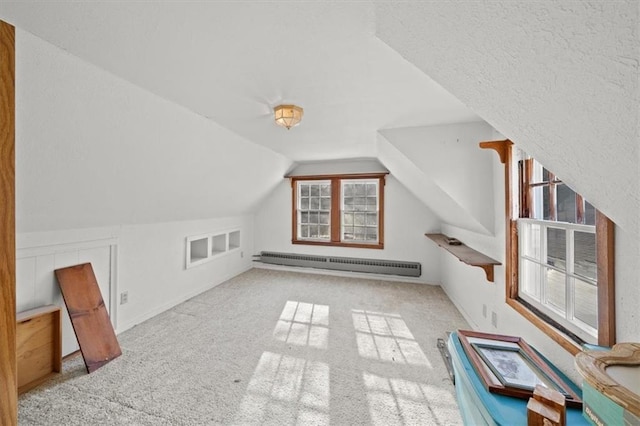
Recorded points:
(225, 63)
(443, 167)
(558, 78)
(233, 62)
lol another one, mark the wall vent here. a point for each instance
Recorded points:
(351, 264)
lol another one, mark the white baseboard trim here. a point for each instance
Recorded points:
(347, 274)
(166, 306)
(464, 313)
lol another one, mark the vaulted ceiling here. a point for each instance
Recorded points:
(559, 78)
(232, 62)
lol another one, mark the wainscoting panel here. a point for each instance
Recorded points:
(36, 284)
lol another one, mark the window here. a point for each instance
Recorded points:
(339, 210)
(560, 258)
(557, 251)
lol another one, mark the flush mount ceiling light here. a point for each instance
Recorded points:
(288, 115)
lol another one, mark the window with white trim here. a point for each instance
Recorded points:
(557, 252)
(314, 210)
(339, 210)
(359, 208)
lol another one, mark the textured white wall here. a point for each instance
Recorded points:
(558, 78)
(448, 157)
(406, 221)
(94, 150)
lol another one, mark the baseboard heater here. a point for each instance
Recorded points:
(351, 264)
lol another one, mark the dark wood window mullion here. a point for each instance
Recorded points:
(335, 210)
(579, 209)
(553, 207)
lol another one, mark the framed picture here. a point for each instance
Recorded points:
(509, 366)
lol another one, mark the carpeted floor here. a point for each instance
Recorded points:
(271, 347)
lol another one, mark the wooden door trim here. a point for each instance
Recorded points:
(8, 367)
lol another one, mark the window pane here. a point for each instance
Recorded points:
(304, 190)
(314, 203)
(545, 175)
(304, 203)
(325, 190)
(325, 204)
(359, 203)
(540, 208)
(348, 190)
(348, 233)
(324, 218)
(347, 219)
(324, 231)
(589, 214)
(313, 217)
(586, 297)
(372, 189)
(555, 290)
(359, 219)
(556, 248)
(566, 202)
(372, 234)
(348, 203)
(314, 190)
(313, 231)
(531, 241)
(360, 189)
(584, 255)
(304, 231)
(530, 278)
(372, 219)
(304, 217)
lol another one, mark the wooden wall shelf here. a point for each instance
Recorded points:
(466, 254)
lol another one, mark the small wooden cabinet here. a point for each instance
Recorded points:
(38, 346)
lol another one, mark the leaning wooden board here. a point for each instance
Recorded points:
(88, 314)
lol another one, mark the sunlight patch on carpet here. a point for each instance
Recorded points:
(394, 401)
(386, 337)
(303, 324)
(286, 390)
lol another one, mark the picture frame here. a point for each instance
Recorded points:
(507, 365)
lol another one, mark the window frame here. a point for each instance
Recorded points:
(335, 222)
(605, 259)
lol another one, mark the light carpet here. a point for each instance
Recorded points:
(270, 347)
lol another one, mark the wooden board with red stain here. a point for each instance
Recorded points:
(88, 314)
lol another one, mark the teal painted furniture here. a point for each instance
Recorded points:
(478, 406)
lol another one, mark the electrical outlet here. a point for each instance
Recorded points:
(124, 297)
(494, 319)
(484, 310)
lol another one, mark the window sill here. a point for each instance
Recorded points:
(556, 335)
(378, 246)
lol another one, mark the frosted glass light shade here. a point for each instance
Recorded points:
(288, 115)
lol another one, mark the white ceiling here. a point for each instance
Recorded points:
(233, 62)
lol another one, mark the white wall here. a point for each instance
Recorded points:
(448, 157)
(94, 150)
(406, 221)
(149, 265)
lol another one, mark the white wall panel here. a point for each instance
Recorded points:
(36, 284)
